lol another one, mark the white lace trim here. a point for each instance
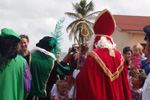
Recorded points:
(44, 51)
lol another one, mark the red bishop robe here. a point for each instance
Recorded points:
(103, 77)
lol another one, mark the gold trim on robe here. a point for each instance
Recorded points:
(102, 65)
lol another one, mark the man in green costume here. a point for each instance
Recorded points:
(42, 63)
(14, 71)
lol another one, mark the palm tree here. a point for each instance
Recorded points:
(80, 28)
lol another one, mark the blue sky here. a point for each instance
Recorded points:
(37, 18)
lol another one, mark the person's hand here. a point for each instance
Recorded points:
(75, 73)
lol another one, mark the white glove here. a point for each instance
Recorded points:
(71, 92)
(54, 91)
(75, 73)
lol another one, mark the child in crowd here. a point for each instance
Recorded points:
(137, 82)
(137, 56)
(60, 90)
(127, 52)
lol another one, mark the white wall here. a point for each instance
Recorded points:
(123, 39)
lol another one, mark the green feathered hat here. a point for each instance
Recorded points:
(56, 47)
(53, 43)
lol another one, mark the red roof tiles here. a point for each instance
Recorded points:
(131, 23)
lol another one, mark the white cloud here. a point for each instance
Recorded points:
(125, 7)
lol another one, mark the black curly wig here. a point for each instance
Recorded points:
(8, 48)
(44, 43)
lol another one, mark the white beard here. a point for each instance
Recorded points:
(105, 43)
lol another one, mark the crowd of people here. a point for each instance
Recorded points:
(103, 73)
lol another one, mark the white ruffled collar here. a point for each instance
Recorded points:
(104, 43)
(44, 51)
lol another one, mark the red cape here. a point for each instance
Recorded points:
(103, 77)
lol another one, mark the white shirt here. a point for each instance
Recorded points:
(146, 89)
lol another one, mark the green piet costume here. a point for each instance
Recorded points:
(11, 80)
(11, 73)
(41, 65)
(63, 70)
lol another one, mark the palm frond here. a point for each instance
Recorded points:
(89, 7)
(72, 24)
(89, 22)
(74, 30)
(72, 33)
(92, 15)
(73, 15)
(80, 8)
(76, 7)
(83, 3)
